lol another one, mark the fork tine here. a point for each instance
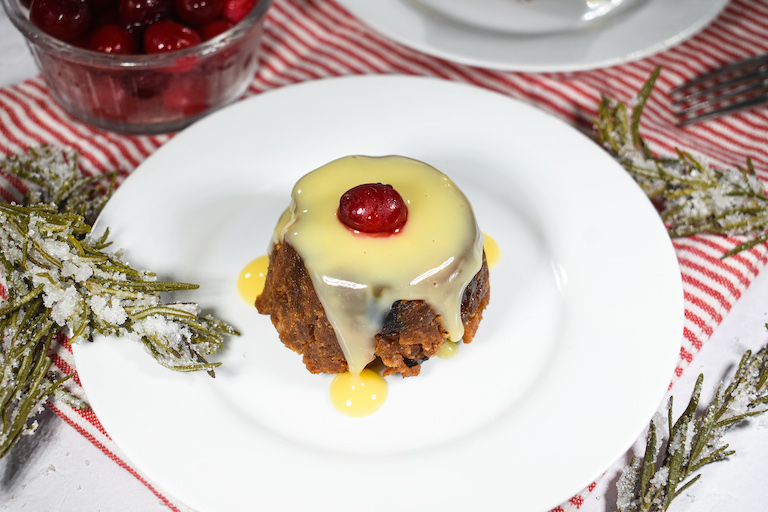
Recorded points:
(737, 82)
(728, 109)
(734, 87)
(756, 62)
(728, 97)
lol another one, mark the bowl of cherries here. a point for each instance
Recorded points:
(142, 66)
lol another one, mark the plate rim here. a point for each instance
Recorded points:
(377, 81)
(361, 10)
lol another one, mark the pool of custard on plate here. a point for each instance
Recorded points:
(353, 395)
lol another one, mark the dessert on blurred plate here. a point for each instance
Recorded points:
(375, 259)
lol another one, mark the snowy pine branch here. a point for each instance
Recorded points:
(56, 280)
(694, 440)
(692, 196)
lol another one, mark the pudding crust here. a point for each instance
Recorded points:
(412, 332)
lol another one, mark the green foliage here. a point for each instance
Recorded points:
(59, 281)
(693, 197)
(694, 440)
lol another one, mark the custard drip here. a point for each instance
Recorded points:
(492, 251)
(358, 395)
(356, 276)
(250, 282)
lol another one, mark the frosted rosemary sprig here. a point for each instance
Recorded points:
(693, 197)
(26, 377)
(50, 256)
(55, 178)
(694, 440)
(56, 280)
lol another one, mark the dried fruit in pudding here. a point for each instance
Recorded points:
(345, 297)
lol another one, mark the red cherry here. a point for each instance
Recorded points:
(112, 38)
(145, 11)
(67, 20)
(198, 12)
(373, 208)
(185, 96)
(106, 16)
(109, 99)
(236, 10)
(167, 36)
(102, 5)
(214, 28)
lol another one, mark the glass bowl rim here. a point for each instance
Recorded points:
(35, 36)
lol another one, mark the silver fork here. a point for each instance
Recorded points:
(734, 87)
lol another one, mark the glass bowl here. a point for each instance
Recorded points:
(146, 94)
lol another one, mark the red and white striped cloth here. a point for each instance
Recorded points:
(312, 39)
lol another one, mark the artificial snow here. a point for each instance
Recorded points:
(111, 312)
(79, 272)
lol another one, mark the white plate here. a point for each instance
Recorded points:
(571, 360)
(526, 16)
(645, 28)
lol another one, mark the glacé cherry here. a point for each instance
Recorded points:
(84, 22)
(144, 12)
(236, 10)
(214, 28)
(68, 20)
(198, 12)
(373, 208)
(167, 36)
(112, 38)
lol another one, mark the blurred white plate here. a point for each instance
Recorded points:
(527, 16)
(571, 360)
(644, 28)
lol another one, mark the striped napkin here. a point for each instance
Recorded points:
(312, 39)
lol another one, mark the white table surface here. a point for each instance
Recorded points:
(57, 469)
